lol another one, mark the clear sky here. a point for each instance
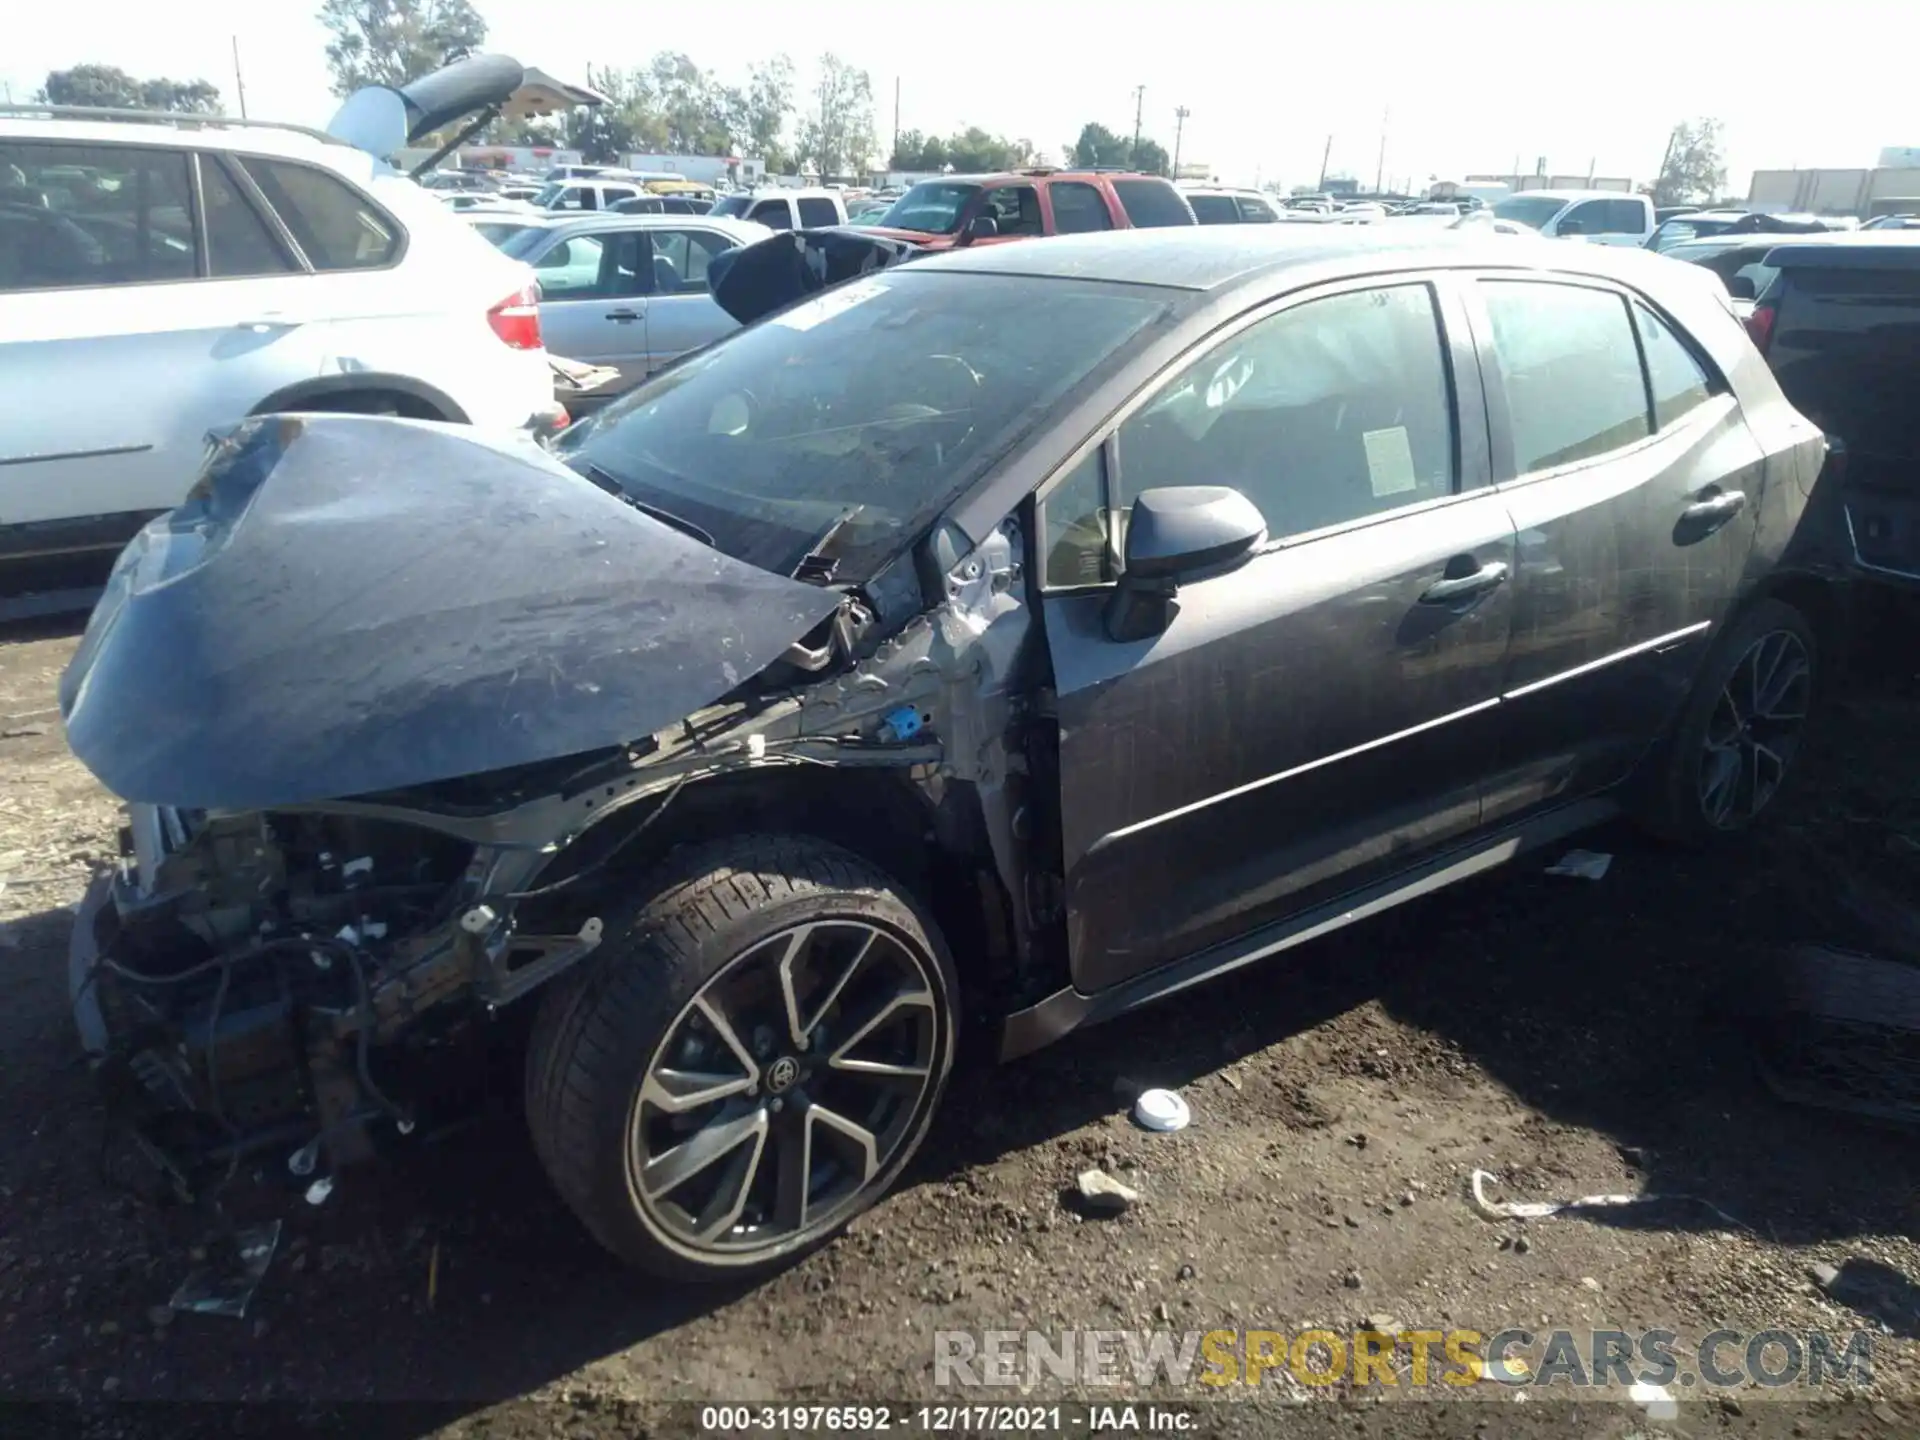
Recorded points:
(1469, 84)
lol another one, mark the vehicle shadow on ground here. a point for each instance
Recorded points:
(456, 1274)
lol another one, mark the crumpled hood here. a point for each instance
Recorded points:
(348, 604)
(771, 274)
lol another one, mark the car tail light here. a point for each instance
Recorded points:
(1760, 326)
(516, 319)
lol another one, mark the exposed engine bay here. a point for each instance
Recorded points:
(281, 984)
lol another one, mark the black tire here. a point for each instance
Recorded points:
(1675, 805)
(604, 1031)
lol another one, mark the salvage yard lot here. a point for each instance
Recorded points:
(1570, 1036)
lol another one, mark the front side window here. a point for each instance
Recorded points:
(1568, 362)
(1626, 217)
(80, 215)
(851, 420)
(1328, 412)
(773, 214)
(1074, 527)
(337, 227)
(1677, 380)
(733, 205)
(1078, 208)
(1151, 203)
(818, 210)
(1015, 209)
(1591, 217)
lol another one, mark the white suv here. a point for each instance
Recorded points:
(160, 278)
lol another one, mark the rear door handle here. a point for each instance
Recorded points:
(1718, 506)
(1461, 587)
(623, 315)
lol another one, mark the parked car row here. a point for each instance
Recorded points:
(178, 276)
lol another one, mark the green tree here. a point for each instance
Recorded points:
(694, 111)
(113, 88)
(838, 135)
(389, 42)
(1151, 158)
(1696, 166)
(764, 108)
(1098, 145)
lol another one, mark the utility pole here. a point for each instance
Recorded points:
(1380, 168)
(239, 85)
(1673, 137)
(1325, 156)
(1139, 105)
(896, 122)
(1180, 113)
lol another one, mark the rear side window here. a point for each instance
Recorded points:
(238, 241)
(81, 215)
(1214, 209)
(337, 227)
(1570, 366)
(817, 210)
(1152, 202)
(1078, 208)
(1675, 378)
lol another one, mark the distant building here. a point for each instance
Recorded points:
(1554, 182)
(705, 169)
(1193, 170)
(1885, 190)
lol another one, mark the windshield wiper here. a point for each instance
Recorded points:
(610, 483)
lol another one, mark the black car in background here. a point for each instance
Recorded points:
(1021, 634)
(1838, 318)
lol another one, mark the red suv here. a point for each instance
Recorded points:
(972, 209)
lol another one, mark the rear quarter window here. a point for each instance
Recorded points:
(335, 225)
(1150, 203)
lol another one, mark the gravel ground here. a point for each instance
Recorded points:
(1568, 1036)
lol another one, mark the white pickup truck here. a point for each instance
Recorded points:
(785, 209)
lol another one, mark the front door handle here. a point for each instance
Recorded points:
(1462, 587)
(623, 315)
(1721, 505)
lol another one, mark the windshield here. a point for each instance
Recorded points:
(932, 206)
(734, 205)
(550, 193)
(1694, 227)
(1533, 211)
(862, 411)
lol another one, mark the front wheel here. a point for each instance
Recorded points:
(1741, 728)
(748, 1062)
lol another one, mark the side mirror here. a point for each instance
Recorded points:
(1177, 534)
(982, 227)
(1741, 287)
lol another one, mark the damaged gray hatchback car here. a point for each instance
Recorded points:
(1052, 625)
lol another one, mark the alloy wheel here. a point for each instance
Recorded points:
(784, 1088)
(1754, 729)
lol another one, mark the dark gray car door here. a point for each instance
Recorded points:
(1633, 483)
(1320, 716)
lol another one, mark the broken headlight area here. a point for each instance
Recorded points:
(284, 983)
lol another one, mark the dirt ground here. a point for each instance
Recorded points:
(1569, 1036)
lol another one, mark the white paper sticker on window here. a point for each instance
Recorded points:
(829, 303)
(1390, 461)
